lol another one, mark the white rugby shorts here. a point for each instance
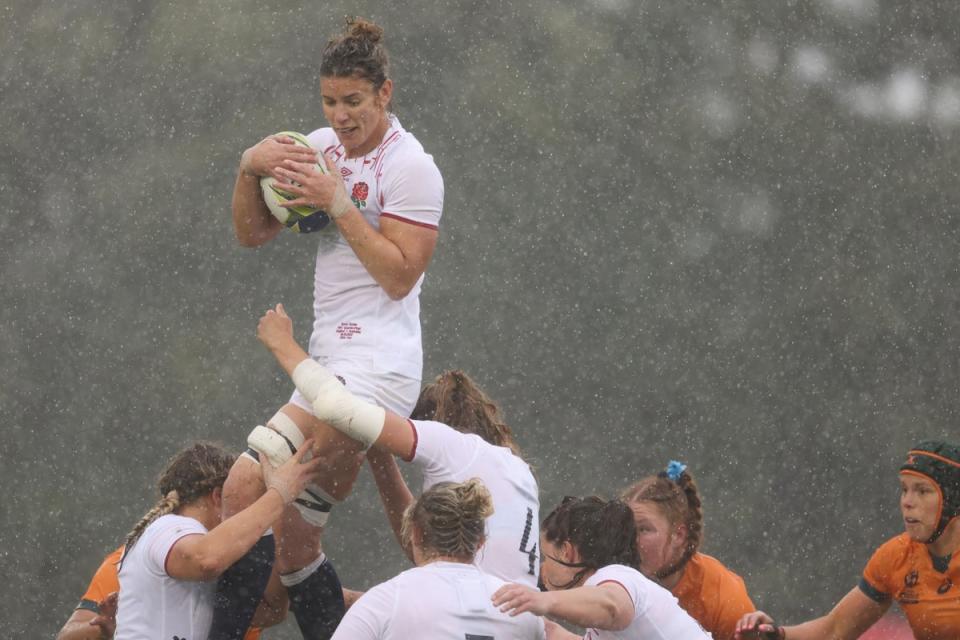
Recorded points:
(392, 391)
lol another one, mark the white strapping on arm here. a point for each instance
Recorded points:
(336, 406)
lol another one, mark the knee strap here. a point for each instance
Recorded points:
(278, 441)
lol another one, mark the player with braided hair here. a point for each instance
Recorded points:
(919, 569)
(457, 433)
(590, 570)
(446, 595)
(173, 555)
(668, 514)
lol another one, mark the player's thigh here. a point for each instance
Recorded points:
(243, 486)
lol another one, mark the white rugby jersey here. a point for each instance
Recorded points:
(657, 615)
(513, 531)
(440, 601)
(354, 318)
(152, 604)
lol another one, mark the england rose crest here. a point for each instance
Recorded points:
(360, 193)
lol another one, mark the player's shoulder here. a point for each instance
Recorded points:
(172, 525)
(323, 139)
(897, 546)
(400, 148)
(617, 573)
(712, 569)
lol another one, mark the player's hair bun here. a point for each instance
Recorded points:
(363, 29)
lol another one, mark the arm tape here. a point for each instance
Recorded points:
(333, 404)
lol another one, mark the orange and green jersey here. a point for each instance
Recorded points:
(926, 588)
(713, 595)
(106, 581)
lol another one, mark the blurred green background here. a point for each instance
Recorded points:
(720, 232)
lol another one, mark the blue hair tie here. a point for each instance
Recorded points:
(675, 470)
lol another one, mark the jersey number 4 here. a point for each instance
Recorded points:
(525, 540)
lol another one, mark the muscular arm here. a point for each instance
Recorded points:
(606, 606)
(78, 627)
(253, 224)
(396, 256)
(204, 557)
(853, 615)
(276, 332)
(394, 493)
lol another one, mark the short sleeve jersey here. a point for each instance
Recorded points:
(104, 582)
(927, 589)
(153, 605)
(440, 600)
(657, 615)
(513, 531)
(354, 318)
(714, 595)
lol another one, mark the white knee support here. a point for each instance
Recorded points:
(336, 406)
(278, 443)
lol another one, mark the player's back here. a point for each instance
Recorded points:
(439, 600)
(513, 531)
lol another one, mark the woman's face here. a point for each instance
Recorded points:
(553, 574)
(356, 111)
(658, 543)
(920, 506)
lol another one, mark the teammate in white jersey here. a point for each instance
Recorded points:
(446, 597)
(591, 570)
(178, 549)
(384, 196)
(463, 437)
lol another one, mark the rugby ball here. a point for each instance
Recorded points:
(298, 219)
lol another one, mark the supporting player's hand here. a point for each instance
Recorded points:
(292, 477)
(263, 158)
(758, 626)
(516, 599)
(313, 188)
(106, 618)
(275, 328)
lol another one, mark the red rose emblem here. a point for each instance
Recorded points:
(360, 191)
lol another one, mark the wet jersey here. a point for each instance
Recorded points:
(513, 531)
(714, 595)
(926, 588)
(354, 318)
(441, 600)
(154, 605)
(657, 615)
(105, 581)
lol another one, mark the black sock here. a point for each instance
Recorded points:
(317, 603)
(239, 591)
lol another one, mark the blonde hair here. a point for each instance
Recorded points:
(450, 518)
(190, 475)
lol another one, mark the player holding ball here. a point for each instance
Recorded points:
(384, 197)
